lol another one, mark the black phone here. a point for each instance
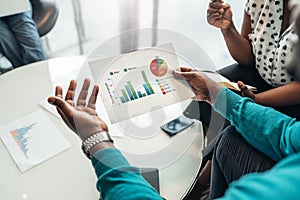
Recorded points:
(176, 125)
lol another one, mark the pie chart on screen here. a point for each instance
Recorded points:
(158, 67)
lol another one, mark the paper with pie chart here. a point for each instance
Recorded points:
(139, 82)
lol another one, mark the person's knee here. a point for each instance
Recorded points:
(4, 31)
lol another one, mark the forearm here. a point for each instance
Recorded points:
(282, 96)
(117, 179)
(239, 47)
(101, 146)
(269, 131)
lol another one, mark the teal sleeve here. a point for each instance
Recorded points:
(281, 182)
(271, 132)
(118, 180)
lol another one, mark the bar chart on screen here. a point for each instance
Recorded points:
(139, 82)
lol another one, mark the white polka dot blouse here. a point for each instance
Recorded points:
(272, 51)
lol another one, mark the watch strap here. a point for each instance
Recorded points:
(93, 140)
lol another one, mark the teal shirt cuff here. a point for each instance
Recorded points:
(118, 180)
(225, 102)
(107, 159)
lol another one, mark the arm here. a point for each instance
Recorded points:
(117, 179)
(219, 15)
(239, 45)
(271, 132)
(278, 97)
(281, 96)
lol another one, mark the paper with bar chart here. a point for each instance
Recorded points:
(32, 139)
(139, 82)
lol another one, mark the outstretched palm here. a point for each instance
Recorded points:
(82, 118)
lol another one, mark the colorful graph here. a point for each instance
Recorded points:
(21, 137)
(164, 86)
(158, 67)
(129, 93)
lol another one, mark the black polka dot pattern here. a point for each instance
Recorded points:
(272, 50)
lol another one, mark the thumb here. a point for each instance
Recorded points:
(62, 105)
(64, 109)
(241, 85)
(244, 89)
(56, 101)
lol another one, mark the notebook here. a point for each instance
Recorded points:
(11, 7)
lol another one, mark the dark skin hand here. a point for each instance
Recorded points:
(204, 88)
(81, 117)
(219, 15)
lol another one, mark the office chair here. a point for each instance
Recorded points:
(44, 13)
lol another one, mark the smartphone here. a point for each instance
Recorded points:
(176, 125)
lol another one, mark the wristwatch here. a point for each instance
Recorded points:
(93, 140)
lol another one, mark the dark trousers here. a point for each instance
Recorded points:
(234, 157)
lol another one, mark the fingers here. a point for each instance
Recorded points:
(185, 75)
(216, 10)
(62, 106)
(58, 91)
(83, 93)
(216, 4)
(179, 73)
(213, 15)
(93, 97)
(64, 109)
(69, 99)
(226, 6)
(242, 86)
(186, 69)
(71, 93)
(245, 90)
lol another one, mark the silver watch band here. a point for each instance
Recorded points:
(93, 140)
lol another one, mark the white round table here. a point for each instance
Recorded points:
(70, 175)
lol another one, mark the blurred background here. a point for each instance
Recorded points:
(83, 25)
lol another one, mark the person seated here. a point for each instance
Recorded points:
(262, 50)
(19, 39)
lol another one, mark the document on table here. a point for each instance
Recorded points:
(32, 139)
(10, 7)
(139, 82)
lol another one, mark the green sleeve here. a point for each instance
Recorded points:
(118, 180)
(271, 132)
